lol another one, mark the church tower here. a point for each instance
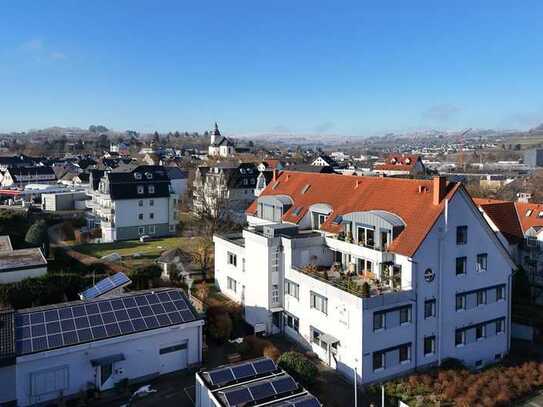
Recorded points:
(215, 134)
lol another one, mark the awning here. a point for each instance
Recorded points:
(107, 360)
(329, 339)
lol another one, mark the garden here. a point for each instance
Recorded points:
(455, 385)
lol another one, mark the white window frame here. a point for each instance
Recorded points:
(478, 266)
(292, 289)
(152, 202)
(432, 303)
(318, 302)
(462, 332)
(232, 259)
(231, 284)
(152, 229)
(141, 190)
(432, 338)
(275, 293)
(481, 297)
(463, 298)
(151, 189)
(500, 290)
(141, 230)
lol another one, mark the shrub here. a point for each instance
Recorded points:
(365, 290)
(300, 367)
(219, 324)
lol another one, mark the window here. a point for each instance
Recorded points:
(459, 338)
(292, 289)
(405, 353)
(479, 332)
(499, 326)
(140, 189)
(378, 360)
(461, 234)
(292, 322)
(243, 264)
(49, 381)
(151, 215)
(429, 345)
(429, 308)
(173, 348)
(318, 219)
(137, 175)
(140, 203)
(151, 189)
(275, 293)
(315, 335)
(497, 356)
(141, 230)
(460, 302)
(232, 259)
(232, 284)
(152, 229)
(366, 236)
(245, 181)
(140, 216)
(479, 363)
(172, 228)
(152, 202)
(405, 316)
(500, 293)
(481, 297)
(482, 261)
(319, 302)
(461, 265)
(378, 321)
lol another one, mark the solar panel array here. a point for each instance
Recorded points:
(106, 285)
(82, 322)
(260, 391)
(245, 371)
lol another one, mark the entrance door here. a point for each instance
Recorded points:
(104, 376)
(173, 357)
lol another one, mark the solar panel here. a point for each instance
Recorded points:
(261, 391)
(284, 385)
(264, 366)
(243, 371)
(238, 397)
(72, 324)
(106, 285)
(221, 376)
(306, 400)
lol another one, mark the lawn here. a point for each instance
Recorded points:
(147, 250)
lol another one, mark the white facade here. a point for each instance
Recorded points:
(68, 371)
(266, 268)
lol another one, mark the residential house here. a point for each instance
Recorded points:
(377, 276)
(16, 265)
(225, 189)
(21, 176)
(400, 164)
(127, 205)
(57, 352)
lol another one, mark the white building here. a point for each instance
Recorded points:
(381, 275)
(126, 205)
(63, 350)
(220, 146)
(16, 265)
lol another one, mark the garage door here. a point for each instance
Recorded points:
(173, 357)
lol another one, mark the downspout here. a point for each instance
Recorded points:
(415, 288)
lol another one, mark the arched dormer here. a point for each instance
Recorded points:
(272, 207)
(374, 228)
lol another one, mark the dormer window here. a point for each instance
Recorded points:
(151, 189)
(540, 214)
(245, 181)
(148, 175)
(140, 189)
(137, 175)
(408, 160)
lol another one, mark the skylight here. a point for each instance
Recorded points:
(297, 211)
(337, 220)
(529, 212)
(306, 188)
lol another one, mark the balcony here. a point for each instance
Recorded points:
(344, 245)
(364, 285)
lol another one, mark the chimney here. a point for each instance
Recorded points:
(440, 189)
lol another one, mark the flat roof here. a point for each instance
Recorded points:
(5, 244)
(21, 259)
(57, 326)
(256, 382)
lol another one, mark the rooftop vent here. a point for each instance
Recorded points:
(357, 183)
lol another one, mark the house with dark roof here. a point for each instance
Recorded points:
(226, 188)
(21, 176)
(220, 146)
(57, 351)
(375, 275)
(127, 205)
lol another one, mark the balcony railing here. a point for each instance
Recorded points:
(362, 286)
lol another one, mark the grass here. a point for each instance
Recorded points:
(147, 250)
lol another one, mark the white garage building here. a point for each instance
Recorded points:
(64, 349)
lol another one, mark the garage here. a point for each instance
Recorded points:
(173, 357)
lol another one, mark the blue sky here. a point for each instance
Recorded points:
(320, 67)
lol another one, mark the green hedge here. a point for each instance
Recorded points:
(298, 366)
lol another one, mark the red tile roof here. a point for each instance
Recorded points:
(532, 210)
(410, 199)
(398, 162)
(504, 215)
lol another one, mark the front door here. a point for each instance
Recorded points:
(104, 376)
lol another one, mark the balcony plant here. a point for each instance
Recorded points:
(349, 237)
(310, 268)
(365, 290)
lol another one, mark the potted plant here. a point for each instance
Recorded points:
(349, 237)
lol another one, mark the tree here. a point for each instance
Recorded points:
(37, 236)
(202, 254)
(219, 324)
(202, 292)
